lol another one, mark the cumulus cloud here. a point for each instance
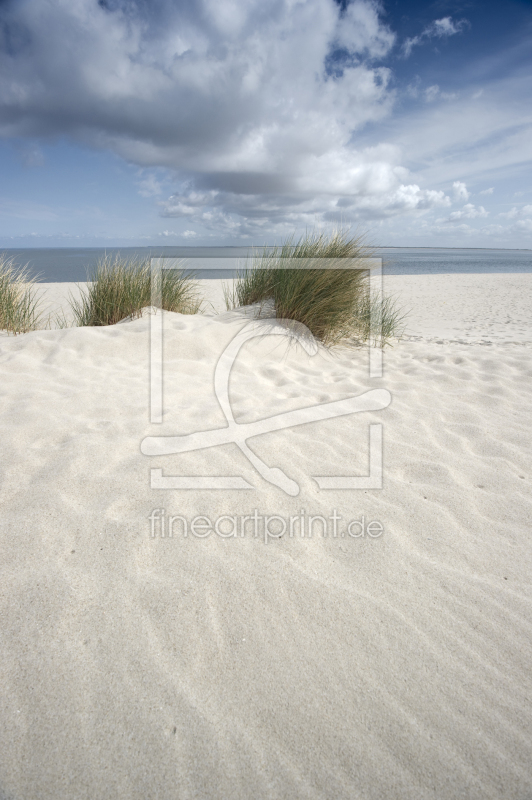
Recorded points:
(361, 31)
(469, 211)
(514, 213)
(487, 191)
(213, 85)
(522, 226)
(370, 187)
(234, 99)
(460, 192)
(438, 29)
(445, 27)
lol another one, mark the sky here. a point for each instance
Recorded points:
(237, 122)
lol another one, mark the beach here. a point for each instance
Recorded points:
(381, 650)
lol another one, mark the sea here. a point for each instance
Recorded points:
(59, 265)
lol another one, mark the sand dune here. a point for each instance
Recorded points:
(396, 665)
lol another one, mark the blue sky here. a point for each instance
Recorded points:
(136, 122)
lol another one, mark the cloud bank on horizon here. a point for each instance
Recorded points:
(240, 120)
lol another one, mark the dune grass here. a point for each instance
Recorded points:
(378, 319)
(18, 298)
(119, 289)
(336, 305)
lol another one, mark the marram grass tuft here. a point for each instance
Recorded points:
(335, 304)
(120, 289)
(18, 298)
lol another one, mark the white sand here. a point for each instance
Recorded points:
(391, 667)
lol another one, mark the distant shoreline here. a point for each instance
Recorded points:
(71, 264)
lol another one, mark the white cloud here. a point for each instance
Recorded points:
(487, 191)
(440, 28)
(366, 187)
(460, 192)
(197, 88)
(149, 186)
(359, 30)
(231, 104)
(431, 93)
(179, 89)
(445, 27)
(189, 234)
(469, 211)
(522, 226)
(514, 213)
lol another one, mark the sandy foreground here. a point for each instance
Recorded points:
(207, 665)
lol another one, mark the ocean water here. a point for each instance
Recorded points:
(439, 260)
(64, 264)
